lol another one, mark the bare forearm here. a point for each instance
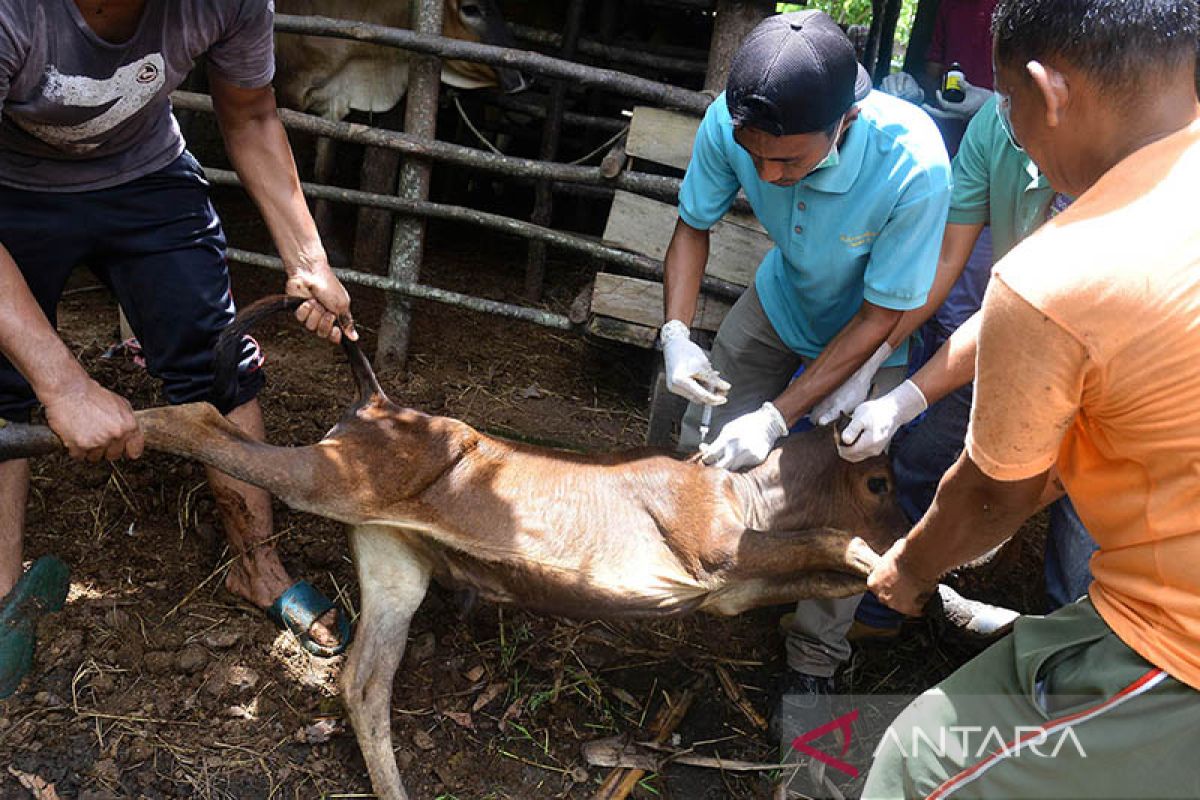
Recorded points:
(28, 339)
(853, 345)
(970, 515)
(683, 270)
(259, 151)
(953, 365)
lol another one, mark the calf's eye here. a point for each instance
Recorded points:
(877, 485)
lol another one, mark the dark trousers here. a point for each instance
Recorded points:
(158, 244)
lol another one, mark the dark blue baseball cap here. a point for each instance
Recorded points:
(794, 73)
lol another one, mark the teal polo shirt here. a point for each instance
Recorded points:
(868, 228)
(996, 184)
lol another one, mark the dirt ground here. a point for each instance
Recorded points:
(156, 683)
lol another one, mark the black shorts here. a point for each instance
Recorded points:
(158, 244)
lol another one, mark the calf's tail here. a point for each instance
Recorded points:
(229, 348)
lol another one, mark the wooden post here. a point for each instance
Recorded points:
(408, 241)
(921, 36)
(683, 61)
(543, 206)
(871, 53)
(735, 19)
(887, 40)
(610, 20)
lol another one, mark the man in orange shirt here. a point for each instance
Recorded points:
(1087, 361)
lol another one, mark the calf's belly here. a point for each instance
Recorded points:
(582, 593)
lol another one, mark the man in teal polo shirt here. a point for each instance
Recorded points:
(853, 187)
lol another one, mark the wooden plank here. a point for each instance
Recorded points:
(661, 136)
(615, 329)
(641, 302)
(666, 137)
(645, 226)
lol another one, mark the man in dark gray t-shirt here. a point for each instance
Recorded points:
(93, 169)
(82, 113)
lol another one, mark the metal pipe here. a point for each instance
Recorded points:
(631, 262)
(429, 44)
(657, 186)
(613, 53)
(444, 296)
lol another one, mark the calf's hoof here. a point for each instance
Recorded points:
(976, 619)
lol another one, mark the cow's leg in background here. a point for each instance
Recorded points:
(392, 581)
(380, 174)
(323, 209)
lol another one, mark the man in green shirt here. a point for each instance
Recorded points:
(996, 184)
(1000, 197)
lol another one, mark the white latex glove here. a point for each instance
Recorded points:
(746, 441)
(875, 422)
(974, 100)
(689, 372)
(850, 394)
(904, 86)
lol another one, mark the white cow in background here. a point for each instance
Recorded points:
(332, 77)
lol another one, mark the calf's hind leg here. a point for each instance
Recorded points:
(392, 581)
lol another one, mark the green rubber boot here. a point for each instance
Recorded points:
(41, 590)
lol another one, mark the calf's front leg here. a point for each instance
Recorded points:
(393, 578)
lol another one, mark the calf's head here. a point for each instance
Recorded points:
(479, 21)
(806, 484)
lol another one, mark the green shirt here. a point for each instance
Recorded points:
(996, 184)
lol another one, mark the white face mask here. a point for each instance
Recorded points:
(833, 158)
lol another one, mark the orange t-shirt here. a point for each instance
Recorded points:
(1089, 356)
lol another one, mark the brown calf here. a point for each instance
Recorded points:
(626, 535)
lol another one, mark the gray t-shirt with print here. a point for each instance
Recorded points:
(79, 113)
